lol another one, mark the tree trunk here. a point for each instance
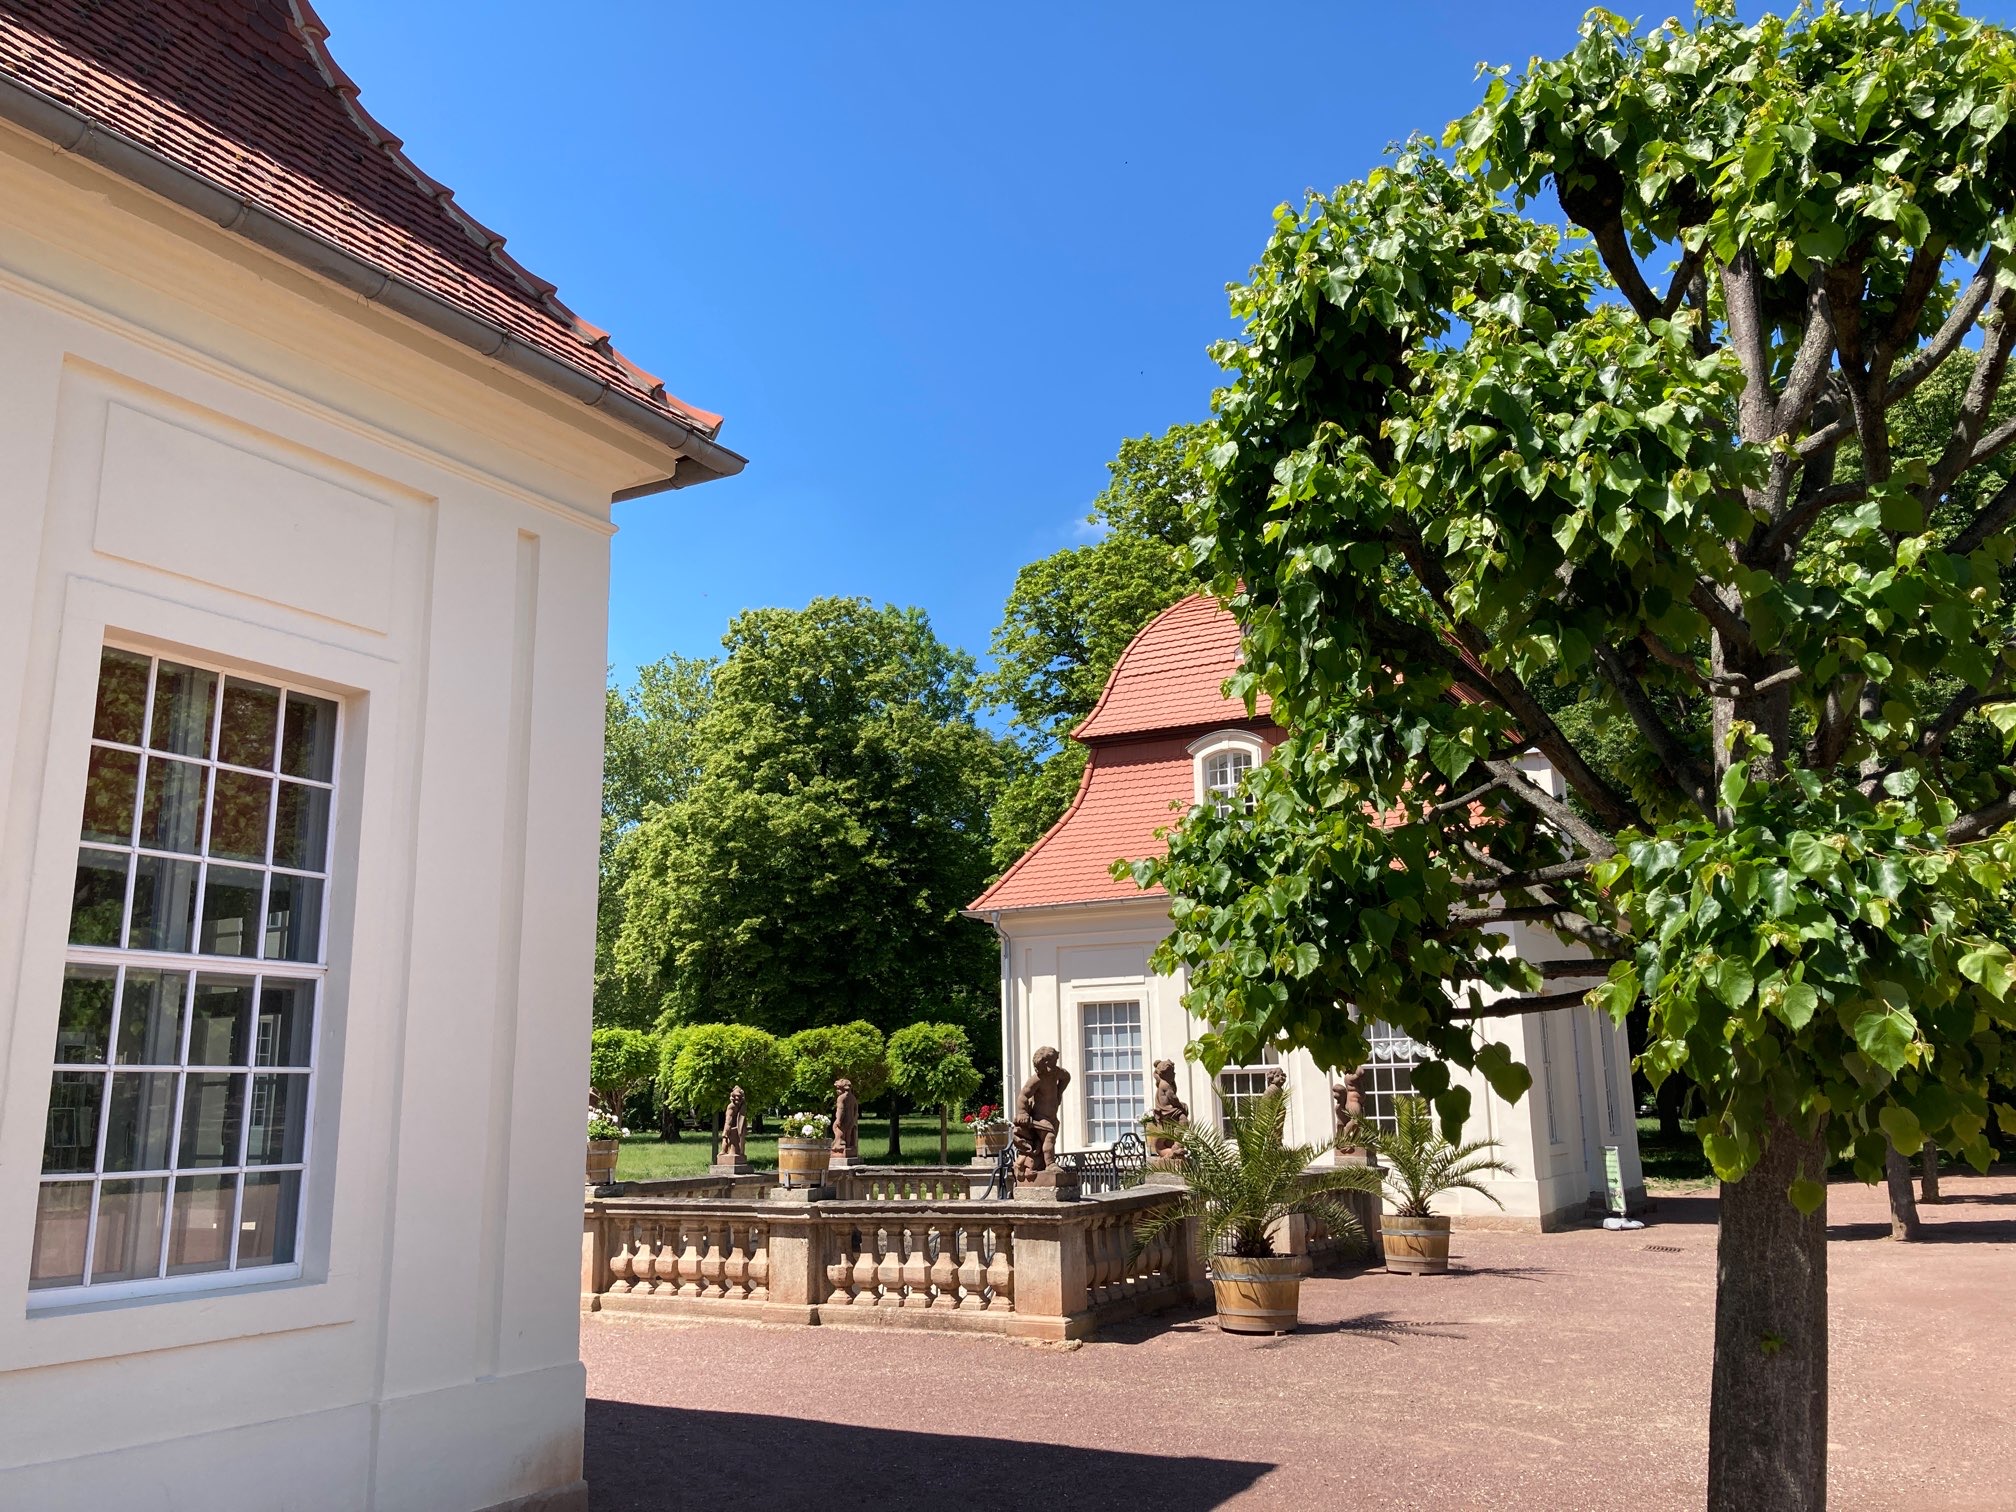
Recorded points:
(895, 1128)
(1767, 1413)
(1928, 1170)
(1903, 1207)
(1672, 1095)
(944, 1153)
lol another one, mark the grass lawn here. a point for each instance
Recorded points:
(1677, 1166)
(646, 1157)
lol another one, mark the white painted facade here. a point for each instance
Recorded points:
(213, 456)
(1058, 960)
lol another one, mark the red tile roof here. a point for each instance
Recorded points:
(1169, 676)
(1126, 795)
(1140, 775)
(244, 95)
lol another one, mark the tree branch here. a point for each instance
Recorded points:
(1511, 913)
(1563, 871)
(1664, 743)
(1794, 524)
(1982, 388)
(1514, 1007)
(1557, 814)
(1743, 297)
(1989, 521)
(1982, 821)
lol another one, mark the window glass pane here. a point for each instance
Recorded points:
(171, 814)
(109, 789)
(98, 898)
(84, 1021)
(199, 1231)
(62, 1221)
(182, 702)
(150, 1017)
(138, 1121)
(164, 904)
(279, 1119)
(122, 697)
(286, 1023)
(301, 834)
(308, 749)
(213, 1113)
(230, 912)
(294, 919)
(238, 823)
(219, 1034)
(250, 725)
(270, 1217)
(70, 1138)
(128, 1246)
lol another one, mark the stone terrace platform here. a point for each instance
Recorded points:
(1551, 1371)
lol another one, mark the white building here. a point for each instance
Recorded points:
(1075, 945)
(304, 534)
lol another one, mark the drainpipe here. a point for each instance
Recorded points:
(1007, 1007)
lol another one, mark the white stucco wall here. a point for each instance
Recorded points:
(1057, 959)
(207, 452)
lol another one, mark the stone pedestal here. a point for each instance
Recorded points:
(731, 1168)
(845, 1163)
(801, 1194)
(1053, 1185)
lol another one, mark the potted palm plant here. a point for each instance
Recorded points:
(1420, 1166)
(1238, 1188)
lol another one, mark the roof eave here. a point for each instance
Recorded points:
(698, 457)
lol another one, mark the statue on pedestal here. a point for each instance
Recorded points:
(1169, 1110)
(1347, 1102)
(846, 1121)
(735, 1131)
(1036, 1109)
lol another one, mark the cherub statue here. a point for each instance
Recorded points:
(735, 1130)
(1168, 1111)
(846, 1121)
(1036, 1109)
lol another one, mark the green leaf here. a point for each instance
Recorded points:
(1901, 1125)
(1731, 981)
(1992, 967)
(1507, 1077)
(1811, 855)
(1885, 1036)
(1807, 1195)
(1796, 1004)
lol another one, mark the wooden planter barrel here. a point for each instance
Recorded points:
(1257, 1296)
(989, 1141)
(602, 1161)
(803, 1162)
(1416, 1246)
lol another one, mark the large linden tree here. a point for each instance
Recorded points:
(1638, 494)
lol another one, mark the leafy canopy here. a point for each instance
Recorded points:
(824, 1053)
(932, 1065)
(620, 1061)
(1478, 484)
(703, 1064)
(813, 869)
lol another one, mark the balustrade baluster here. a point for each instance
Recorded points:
(866, 1269)
(889, 1272)
(735, 1268)
(710, 1261)
(840, 1271)
(1001, 1276)
(689, 1259)
(641, 1256)
(944, 1272)
(972, 1274)
(759, 1263)
(619, 1265)
(665, 1264)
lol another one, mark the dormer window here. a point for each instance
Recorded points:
(1223, 762)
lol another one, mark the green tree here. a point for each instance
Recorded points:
(824, 1053)
(932, 1065)
(814, 869)
(1071, 614)
(619, 1062)
(649, 758)
(1460, 449)
(703, 1064)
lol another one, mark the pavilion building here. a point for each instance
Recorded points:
(1076, 944)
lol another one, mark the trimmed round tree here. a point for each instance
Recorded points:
(821, 1056)
(712, 1060)
(932, 1065)
(619, 1062)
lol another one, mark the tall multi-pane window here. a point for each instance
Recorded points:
(1115, 1084)
(1239, 1087)
(1389, 1070)
(177, 1139)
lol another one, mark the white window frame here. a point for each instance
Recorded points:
(195, 965)
(1222, 743)
(1097, 1078)
(1239, 1087)
(1394, 1056)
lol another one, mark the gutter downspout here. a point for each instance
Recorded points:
(1007, 1008)
(71, 131)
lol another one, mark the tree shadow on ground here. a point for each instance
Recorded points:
(669, 1459)
(1687, 1208)
(1933, 1231)
(1386, 1328)
(1459, 1267)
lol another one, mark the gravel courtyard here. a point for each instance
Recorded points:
(1547, 1371)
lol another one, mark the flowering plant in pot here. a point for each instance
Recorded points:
(605, 1138)
(1237, 1188)
(989, 1128)
(804, 1149)
(1420, 1166)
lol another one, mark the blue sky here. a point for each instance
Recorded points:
(932, 261)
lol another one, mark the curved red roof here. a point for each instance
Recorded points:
(1171, 674)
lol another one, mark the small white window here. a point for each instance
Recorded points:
(184, 1066)
(1389, 1071)
(1224, 771)
(1224, 761)
(1115, 1085)
(1239, 1087)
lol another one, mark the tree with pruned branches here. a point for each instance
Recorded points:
(1635, 494)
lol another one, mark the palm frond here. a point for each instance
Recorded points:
(1421, 1164)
